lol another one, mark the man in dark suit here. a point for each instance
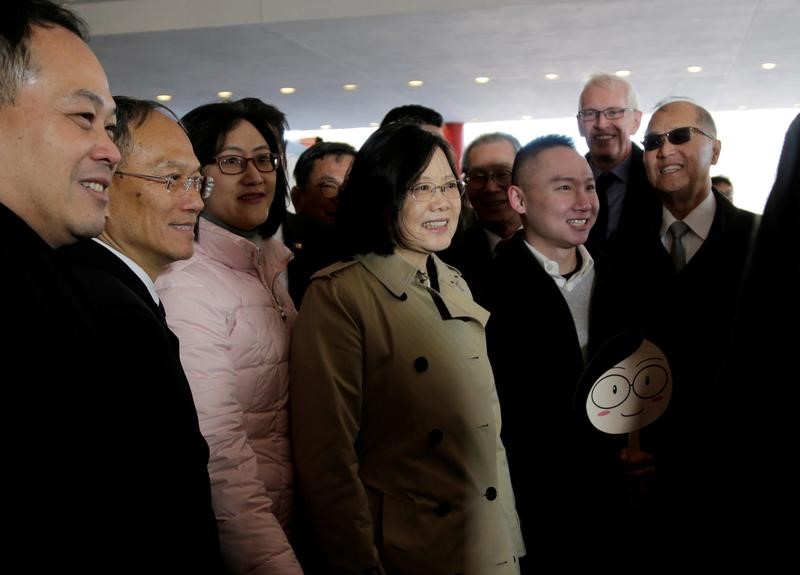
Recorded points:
(686, 272)
(608, 115)
(319, 174)
(490, 219)
(550, 310)
(162, 457)
(56, 115)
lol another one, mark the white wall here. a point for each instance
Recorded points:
(751, 144)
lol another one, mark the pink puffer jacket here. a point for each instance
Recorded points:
(233, 318)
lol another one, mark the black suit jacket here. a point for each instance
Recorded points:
(692, 314)
(562, 472)
(641, 209)
(471, 255)
(157, 455)
(314, 246)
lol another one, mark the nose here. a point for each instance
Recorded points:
(106, 150)
(251, 171)
(438, 202)
(192, 201)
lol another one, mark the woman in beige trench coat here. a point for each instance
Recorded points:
(395, 419)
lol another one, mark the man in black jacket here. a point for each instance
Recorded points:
(608, 115)
(160, 457)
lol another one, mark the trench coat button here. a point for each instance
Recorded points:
(435, 437)
(403, 297)
(421, 364)
(442, 509)
(491, 493)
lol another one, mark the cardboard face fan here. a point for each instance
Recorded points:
(626, 386)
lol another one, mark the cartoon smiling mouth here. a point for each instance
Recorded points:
(632, 414)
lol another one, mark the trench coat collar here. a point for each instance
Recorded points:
(398, 276)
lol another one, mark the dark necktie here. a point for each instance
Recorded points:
(677, 230)
(602, 184)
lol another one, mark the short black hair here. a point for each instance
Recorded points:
(413, 114)
(384, 169)
(305, 163)
(720, 180)
(532, 149)
(133, 113)
(16, 28)
(208, 125)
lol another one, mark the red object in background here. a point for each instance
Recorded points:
(454, 133)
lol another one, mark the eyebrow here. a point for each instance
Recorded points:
(653, 358)
(242, 150)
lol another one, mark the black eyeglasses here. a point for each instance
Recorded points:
(232, 165)
(477, 180)
(591, 115)
(203, 185)
(424, 193)
(329, 188)
(676, 137)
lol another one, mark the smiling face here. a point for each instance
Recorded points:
(490, 199)
(153, 226)
(633, 393)
(241, 200)
(428, 227)
(55, 138)
(558, 199)
(609, 141)
(329, 171)
(681, 172)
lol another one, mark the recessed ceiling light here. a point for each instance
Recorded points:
(415, 83)
(373, 124)
(797, 105)
(163, 97)
(622, 73)
(325, 127)
(475, 120)
(482, 80)
(551, 76)
(769, 65)
(224, 94)
(526, 117)
(287, 90)
(350, 87)
(742, 107)
(694, 69)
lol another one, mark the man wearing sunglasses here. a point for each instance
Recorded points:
(155, 197)
(608, 116)
(687, 271)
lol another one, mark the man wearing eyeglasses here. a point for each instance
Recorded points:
(608, 115)
(487, 164)
(154, 201)
(319, 175)
(687, 271)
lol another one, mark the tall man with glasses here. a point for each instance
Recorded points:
(160, 455)
(487, 164)
(319, 175)
(685, 275)
(608, 115)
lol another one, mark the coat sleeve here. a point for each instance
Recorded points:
(251, 538)
(326, 398)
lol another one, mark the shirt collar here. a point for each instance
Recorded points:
(699, 219)
(135, 268)
(551, 267)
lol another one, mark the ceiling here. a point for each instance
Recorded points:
(194, 48)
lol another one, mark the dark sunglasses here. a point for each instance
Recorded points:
(675, 137)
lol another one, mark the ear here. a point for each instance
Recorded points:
(715, 153)
(294, 194)
(581, 127)
(516, 197)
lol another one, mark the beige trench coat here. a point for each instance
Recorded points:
(396, 425)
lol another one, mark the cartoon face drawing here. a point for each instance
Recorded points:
(633, 393)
